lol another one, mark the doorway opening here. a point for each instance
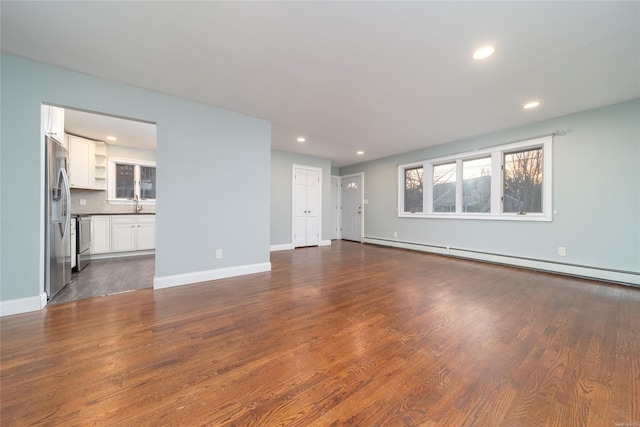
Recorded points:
(111, 170)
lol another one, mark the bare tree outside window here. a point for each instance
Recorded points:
(444, 187)
(523, 181)
(147, 182)
(413, 184)
(124, 181)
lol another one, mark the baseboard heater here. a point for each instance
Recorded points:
(606, 274)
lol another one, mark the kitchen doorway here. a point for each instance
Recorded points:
(112, 180)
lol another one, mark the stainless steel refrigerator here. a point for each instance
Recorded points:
(57, 218)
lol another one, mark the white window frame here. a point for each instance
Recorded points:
(497, 183)
(111, 182)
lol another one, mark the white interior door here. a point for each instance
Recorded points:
(306, 206)
(352, 208)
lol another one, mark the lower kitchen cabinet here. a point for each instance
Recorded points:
(146, 238)
(133, 233)
(100, 234)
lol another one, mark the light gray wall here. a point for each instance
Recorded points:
(596, 192)
(213, 173)
(281, 197)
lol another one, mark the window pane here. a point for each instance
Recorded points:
(444, 188)
(523, 181)
(476, 185)
(124, 181)
(413, 190)
(147, 182)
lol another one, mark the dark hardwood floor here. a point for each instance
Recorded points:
(350, 334)
(108, 276)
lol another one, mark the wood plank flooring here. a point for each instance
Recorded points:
(346, 335)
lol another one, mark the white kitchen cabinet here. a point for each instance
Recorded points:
(99, 165)
(53, 122)
(87, 163)
(123, 234)
(133, 232)
(146, 238)
(100, 234)
(80, 153)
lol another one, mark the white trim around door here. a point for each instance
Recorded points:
(335, 208)
(306, 206)
(359, 180)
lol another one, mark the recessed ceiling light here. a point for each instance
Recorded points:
(301, 139)
(532, 104)
(112, 138)
(359, 153)
(484, 52)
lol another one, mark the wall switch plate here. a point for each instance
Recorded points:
(395, 234)
(562, 251)
(83, 202)
(219, 254)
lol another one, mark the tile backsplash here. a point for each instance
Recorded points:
(96, 202)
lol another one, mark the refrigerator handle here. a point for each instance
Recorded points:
(67, 191)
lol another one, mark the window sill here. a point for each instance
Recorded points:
(505, 217)
(131, 202)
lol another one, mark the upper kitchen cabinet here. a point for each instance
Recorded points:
(87, 163)
(53, 122)
(99, 165)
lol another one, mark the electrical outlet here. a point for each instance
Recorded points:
(562, 251)
(218, 253)
(83, 202)
(395, 234)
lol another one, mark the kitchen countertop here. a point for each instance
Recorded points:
(112, 214)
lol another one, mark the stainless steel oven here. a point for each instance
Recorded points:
(83, 237)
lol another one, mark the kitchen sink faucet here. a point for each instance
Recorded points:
(138, 206)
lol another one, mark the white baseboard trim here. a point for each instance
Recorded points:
(629, 278)
(283, 247)
(23, 305)
(289, 246)
(205, 276)
(122, 254)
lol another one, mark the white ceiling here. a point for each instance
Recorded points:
(128, 133)
(383, 77)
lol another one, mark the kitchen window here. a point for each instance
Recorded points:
(506, 182)
(131, 181)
